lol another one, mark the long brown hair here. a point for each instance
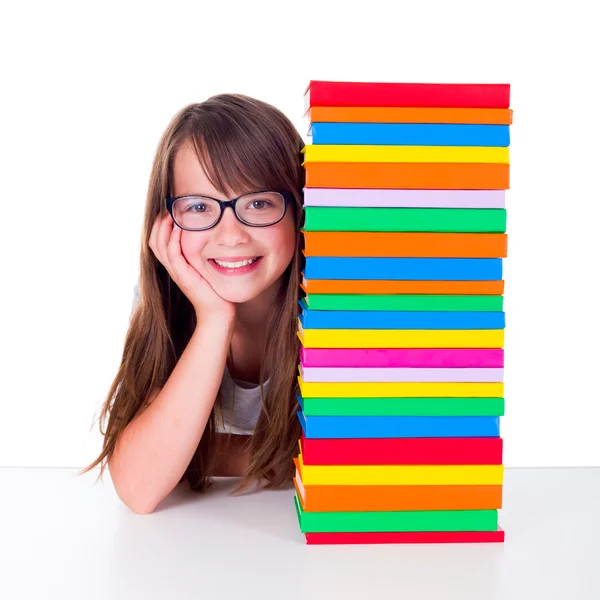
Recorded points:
(242, 143)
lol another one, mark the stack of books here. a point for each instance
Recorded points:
(401, 317)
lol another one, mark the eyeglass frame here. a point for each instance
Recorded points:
(223, 204)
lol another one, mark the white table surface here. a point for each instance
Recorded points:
(62, 537)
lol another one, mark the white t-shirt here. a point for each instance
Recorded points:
(240, 412)
(241, 401)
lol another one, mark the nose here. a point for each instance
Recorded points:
(230, 231)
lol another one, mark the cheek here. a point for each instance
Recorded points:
(284, 243)
(192, 244)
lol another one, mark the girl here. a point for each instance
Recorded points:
(217, 316)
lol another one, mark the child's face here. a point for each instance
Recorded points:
(231, 240)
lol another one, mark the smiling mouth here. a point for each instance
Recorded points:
(235, 264)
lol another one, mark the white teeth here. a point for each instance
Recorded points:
(234, 265)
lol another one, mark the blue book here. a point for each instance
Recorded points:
(410, 134)
(398, 427)
(421, 269)
(366, 319)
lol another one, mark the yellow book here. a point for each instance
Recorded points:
(400, 389)
(400, 474)
(404, 154)
(401, 338)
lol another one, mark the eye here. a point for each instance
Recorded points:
(259, 204)
(199, 207)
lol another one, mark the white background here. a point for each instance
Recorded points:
(88, 90)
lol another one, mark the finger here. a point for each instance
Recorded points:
(163, 236)
(154, 234)
(164, 231)
(174, 254)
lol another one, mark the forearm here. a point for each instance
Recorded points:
(154, 450)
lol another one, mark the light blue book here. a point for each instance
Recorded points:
(410, 134)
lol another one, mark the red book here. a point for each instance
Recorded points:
(402, 451)
(410, 537)
(442, 95)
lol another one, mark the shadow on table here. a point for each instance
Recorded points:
(256, 511)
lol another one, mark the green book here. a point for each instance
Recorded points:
(403, 407)
(453, 220)
(405, 302)
(422, 520)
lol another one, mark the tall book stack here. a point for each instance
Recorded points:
(401, 319)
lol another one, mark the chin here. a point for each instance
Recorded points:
(239, 292)
(238, 296)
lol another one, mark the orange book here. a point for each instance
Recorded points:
(346, 286)
(440, 176)
(394, 244)
(359, 498)
(402, 114)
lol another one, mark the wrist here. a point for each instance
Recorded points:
(221, 321)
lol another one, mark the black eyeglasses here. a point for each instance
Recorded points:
(255, 209)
